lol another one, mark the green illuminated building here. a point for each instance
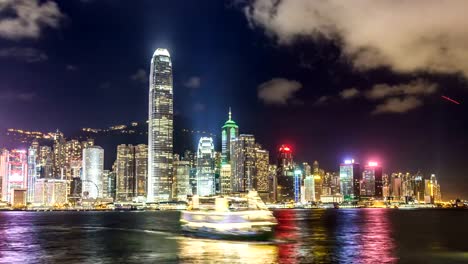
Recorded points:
(230, 131)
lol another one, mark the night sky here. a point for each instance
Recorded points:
(330, 78)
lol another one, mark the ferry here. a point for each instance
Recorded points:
(233, 218)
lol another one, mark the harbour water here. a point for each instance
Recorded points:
(302, 236)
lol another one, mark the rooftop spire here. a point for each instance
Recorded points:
(229, 113)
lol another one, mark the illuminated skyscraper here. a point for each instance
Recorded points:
(205, 167)
(33, 173)
(160, 128)
(141, 169)
(285, 175)
(243, 163)
(93, 169)
(230, 131)
(13, 170)
(309, 189)
(45, 164)
(125, 172)
(262, 162)
(350, 178)
(225, 178)
(371, 184)
(181, 180)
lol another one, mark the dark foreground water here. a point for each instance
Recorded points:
(302, 236)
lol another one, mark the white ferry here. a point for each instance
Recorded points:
(245, 218)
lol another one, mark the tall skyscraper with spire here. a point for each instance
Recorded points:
(160, 127)
(230, 131)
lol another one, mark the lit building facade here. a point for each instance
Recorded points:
(205, 167)
(125, 173)
(371, 183)
(141, 169)
(309, 189)
(261, 182)
(285, 175)
(50, 192)
(350, 178)
(226, 178)
(243, 163)
(93, 168)
(14, 171)
(230, 131)
(182, 187)
(160, 128)
(33, 173)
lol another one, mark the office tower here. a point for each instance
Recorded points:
(192, 159)
(386, 189)
(73, 157)
(141, 169)
(285, 175)
(230, 131)
(318, 178)
(225, 178)
(272, 182)
(371, 184)
(111, 185)
(396, 190)
(418, 186)
(50, 192)
(350, 178)
(327, 184)
(45, 164)
(217, 171)
(205, 167)
(434, 189)
(125, 172)
(93, 167)
(160, 128)
(297, 184)
(105, 183)
(13, 170)
(243, 163)
(18, 197)
(262, 162)
(335, 183)
(182, 187)
(309, 188)
(59, 155)
(33, 175)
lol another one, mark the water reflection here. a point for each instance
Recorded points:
(192, 250)
(364, 236)
(287, 233)
(18, 240)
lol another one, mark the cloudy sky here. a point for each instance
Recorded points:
(334, 79)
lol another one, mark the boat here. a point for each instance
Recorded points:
(233, 218)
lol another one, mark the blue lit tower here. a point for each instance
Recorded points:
(160, 128)
(205, 167)
(350, 178)
(230, 131)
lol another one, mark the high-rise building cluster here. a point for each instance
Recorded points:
(48, 176)
(73, 171)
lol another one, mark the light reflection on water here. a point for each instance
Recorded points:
(302, 236)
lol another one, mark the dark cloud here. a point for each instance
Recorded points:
(278, 91)
(140, 76)
(29, 55)
(193, 82)
(30, 17)
(427, 35)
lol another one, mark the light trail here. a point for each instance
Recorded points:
(450, 99)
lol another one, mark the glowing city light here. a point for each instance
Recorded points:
(373, 164)
(349, 161)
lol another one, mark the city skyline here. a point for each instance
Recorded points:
(306, 92)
